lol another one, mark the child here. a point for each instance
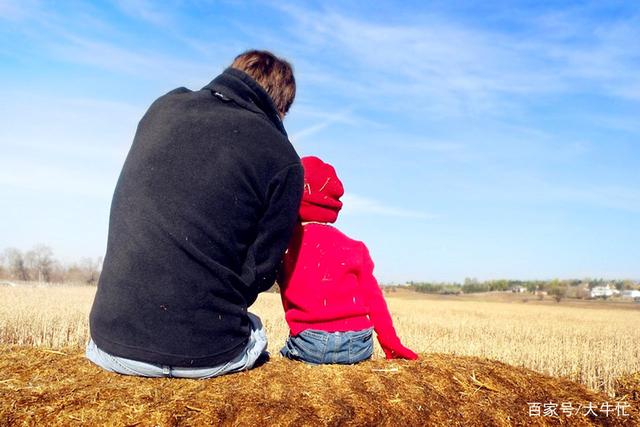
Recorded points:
(330, 296)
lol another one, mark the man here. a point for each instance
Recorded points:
(203, 210)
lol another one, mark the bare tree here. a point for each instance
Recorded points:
(90, 269)
(16, 264)
(3, 269)
(40, 260)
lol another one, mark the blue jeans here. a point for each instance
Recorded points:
(320, 347)
(256, 350)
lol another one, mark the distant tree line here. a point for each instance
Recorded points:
(39, 265)
(555, 287)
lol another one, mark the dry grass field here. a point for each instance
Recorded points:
(61, 388)
(551, 352)
(588, 344)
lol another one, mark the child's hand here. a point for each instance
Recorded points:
(398, 351)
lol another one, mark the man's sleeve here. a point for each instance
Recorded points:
(274, 230)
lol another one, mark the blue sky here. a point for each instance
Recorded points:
(492, 140)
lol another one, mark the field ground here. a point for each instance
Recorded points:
(586, 341)
(60, 387)
(520, 298)
(594, 343)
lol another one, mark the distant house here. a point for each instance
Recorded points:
(631, 294)
(602, 292)
(518, 289)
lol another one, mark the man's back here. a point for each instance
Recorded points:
(201, 214)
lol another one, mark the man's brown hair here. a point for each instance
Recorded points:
(274, 74)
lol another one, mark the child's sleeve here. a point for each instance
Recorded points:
(379, 312)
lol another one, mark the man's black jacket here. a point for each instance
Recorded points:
(201, 215)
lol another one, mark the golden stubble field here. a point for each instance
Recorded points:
(592, 345)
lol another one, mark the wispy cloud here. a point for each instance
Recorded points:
(609, 197)
(112, 57)
(358, 205)
(84, 36)
(310, 130)
(445, 68)
(75, 149)
(432, 146)
(323, 120)
(15, 11)
(518, 188)
(144, 10)
(28, 176)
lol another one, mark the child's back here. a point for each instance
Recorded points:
(329, 293)
(323, 287)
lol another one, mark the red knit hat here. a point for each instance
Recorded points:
(322, 191)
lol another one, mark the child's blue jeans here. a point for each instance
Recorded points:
(320, 347)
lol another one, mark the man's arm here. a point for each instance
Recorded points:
(274, 230)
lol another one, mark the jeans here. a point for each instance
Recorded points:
(320, 347)
(255, 351)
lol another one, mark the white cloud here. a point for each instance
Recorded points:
(308, 131)
(610, 197)
(439, 67)
(326, 119)
(70, 128)
(30, 176)
(112, 57)
(358, 205)
(520, 188)
(145, 10)
(434, 146)
(16, 10)
(85, 36)
(67, 146)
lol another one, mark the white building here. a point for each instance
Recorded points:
(632, 294)
(602, 292)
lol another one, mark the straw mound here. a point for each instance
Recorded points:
(628, 388)
(46, 387)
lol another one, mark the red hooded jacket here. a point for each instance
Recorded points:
(327, 280)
